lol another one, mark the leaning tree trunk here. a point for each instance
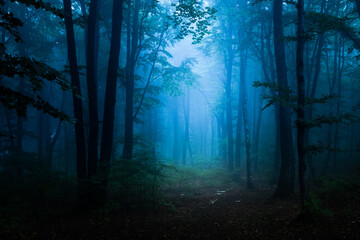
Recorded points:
(78, 110)
(76, 93)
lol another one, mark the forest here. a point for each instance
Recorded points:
(179, 119)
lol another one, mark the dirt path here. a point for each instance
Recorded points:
(225, 213)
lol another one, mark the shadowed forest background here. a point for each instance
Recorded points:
(179, 119)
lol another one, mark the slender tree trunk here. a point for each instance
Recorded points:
(313, 86)
(130, 84)
(277, 156)
(85, 16)
(286, 180)
(229, 129)
(238, 127)
(19, 119)
(301, 104)
(243, 62)
(212, 149)
(186, 145)
(91, 73)
(338, 102)
(331, 92)
(175, 116)
(40, 141)
(257, 132)
(272, 79)
(110, 92)
(78, 111)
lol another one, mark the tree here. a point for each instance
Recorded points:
(77, 102)
(110, 94)
(286, 179)
(132, 48)
(301, 104)
(91, 72)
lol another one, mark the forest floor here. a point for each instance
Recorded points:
(227, 212)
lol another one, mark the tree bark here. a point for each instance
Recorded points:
(186, 145)
(301, 104)
(76, 93)
(91, 73)
(110, 92)
(130, 83)
(286, 180)
(243, 61)
(175, 116)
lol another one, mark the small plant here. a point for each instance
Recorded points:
(314, 205)
(136, 182)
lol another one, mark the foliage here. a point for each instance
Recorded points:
(192, 19)
(40, 4)
(173, 77)
(136, 182)
(27, 68)
(315, 207)
(28, 189)
(320, 147)
(287, 98)
(342, 189)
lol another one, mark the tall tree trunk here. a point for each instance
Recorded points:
(286, 180)
(212, 149)
(130, 82)
(110, 92)
(277, 155)
(53, 137)
(19, 119)
(331, 92)
(301, 104)
(272, 79)
(238, 132)
(243, 62)
(313, 86)
(229, 127)
(238, 125)
(257, 132)
(91, 73)
(229, 60)
(40, 140)
(338, 102)
(186, 145)
(175, 116)
(78, 110)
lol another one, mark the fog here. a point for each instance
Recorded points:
(127, 102)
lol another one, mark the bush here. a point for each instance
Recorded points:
(136, 182)
(315, 207)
